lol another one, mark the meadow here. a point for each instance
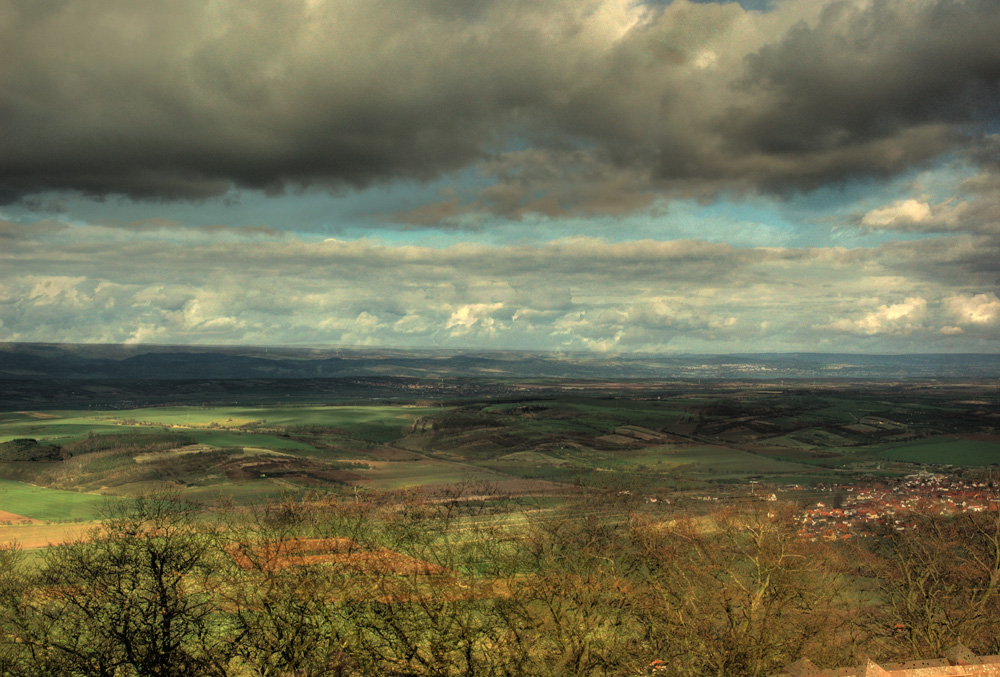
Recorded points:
(49, 505)
(948, 450)
(653, 438)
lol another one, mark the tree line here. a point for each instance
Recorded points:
(481, 587)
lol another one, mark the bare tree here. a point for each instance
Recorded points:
(936, 583)
(14, 586)
(290, 590)
(736, 593)
(133, 597)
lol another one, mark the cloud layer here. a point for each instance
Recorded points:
(563, 174)
(615, 100)
(85, 283)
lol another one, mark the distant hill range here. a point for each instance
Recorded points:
(34, 361)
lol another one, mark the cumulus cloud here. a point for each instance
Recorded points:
(896, 318)
(616, 101)
(904, 212)
(976, 315)
(57, 290)
(974, 210)
(977, 309)
(577, 293)
(474, 317)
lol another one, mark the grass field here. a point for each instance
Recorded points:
(725, 434)
(225, 438)
(946, 451)
(423, 473)
(61, 429)
(722, 462)
(332, 416)
(243, 493)
(49, 504)
(219, 426)
(623, 412)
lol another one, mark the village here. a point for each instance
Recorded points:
(851, 510)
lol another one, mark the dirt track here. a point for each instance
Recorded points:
(13, 518)
(37, 535)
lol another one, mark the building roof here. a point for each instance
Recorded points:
(957, 662)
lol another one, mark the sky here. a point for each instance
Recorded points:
(599, 175)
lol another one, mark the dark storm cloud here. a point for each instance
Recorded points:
(20, 231)
(187, 99)
(875, 73)
(182, 99)
(969, 260)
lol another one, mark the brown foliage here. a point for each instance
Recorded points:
(935, 583)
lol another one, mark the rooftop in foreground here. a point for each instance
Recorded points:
(957, 662)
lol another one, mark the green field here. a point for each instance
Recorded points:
(947, 451)
(50, 505)
(244, 493)
(66, 428)
(224, 438)
(728, 463)
(409, 475)
(217, 426)
(332, 416)
(689, 435)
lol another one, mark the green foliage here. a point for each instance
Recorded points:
(14, 584)
(463, 420)
(27, 449)
(379, 432)
(133, 598)
(285, 616)
(107, 463)
(129, 443)
(471, 582)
